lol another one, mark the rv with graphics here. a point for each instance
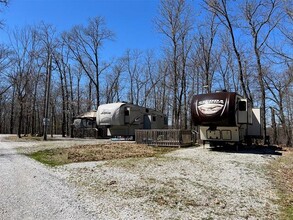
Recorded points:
(225, 117)
(122, 119)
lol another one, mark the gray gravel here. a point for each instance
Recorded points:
(30, 190)
(192, 183)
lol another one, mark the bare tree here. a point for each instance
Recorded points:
(78, 73)
(47, 37)
(134, 68)
(226, 68)
(61, 60)
(186, 46)
(5, 62)
(262, 18)
(86, 44)
(37, 83)
(220, 8)
(286, 28)
(175, 23)
(205, 46)
(281, 89)
(113, 82)
(5, 3)
(281, 48)
(151, 81)
(162, 97)
(24, 45)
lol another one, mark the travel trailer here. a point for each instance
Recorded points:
(225, 117)
(122, 119)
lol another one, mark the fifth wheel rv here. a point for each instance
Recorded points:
(122, 119)
(225, 117)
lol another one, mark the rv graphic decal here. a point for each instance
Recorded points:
(214, 109)
(210, 107)
(106, 113)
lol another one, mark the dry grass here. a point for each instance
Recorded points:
(282, 173)
(99, 152)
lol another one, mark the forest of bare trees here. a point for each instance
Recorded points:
(243, 46)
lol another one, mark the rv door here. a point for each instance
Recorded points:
(147, 124)
(244, 112)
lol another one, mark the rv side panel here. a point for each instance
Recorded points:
(255, 129)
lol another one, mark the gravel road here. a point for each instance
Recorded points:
(190, 183)
(30, 190)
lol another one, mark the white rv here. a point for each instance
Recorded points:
(122, 119)
(225, 117)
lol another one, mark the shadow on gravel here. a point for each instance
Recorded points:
(7, 153)
(255, 149)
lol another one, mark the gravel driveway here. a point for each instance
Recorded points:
(192, 183)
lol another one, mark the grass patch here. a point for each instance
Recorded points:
(99, 152)
(52, 157)
(281, 171)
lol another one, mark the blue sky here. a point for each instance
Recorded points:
(130, 20)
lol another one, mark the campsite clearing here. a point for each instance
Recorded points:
(186, 183)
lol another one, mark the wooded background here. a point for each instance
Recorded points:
(243, 46)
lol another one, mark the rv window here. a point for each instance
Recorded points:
(242, 105)
(154, 118)
(126, 112)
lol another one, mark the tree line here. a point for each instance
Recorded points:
(207, 45)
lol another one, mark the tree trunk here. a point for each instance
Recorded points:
(12, 111)
(78, 96)
(175, 87)
(90, 97)
(274, 126)
(20, 118)
(1, 110)
(33, 116)
(71, 112)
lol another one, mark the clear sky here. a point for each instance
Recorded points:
(130, 20)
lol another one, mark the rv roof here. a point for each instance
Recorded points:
(112, 105)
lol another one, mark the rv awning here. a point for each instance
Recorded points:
(88, 115)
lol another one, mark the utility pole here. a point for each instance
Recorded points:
(48, 85)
